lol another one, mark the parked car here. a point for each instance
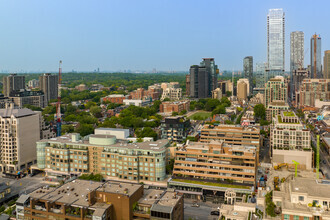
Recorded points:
(195, 205)
(215, 213)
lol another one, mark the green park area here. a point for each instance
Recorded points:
(200, 115)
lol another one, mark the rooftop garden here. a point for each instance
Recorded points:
(211, 183)
(280, 121)
(288, 114)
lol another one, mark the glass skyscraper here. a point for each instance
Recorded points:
(316, 59)
(296, 50)
(276, 40)
(248, 71)
(261, 75)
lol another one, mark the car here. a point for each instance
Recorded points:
(215, 213)
(195, 205)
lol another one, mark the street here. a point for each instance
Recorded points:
(325, 167)
(25, 185)
(199, 213)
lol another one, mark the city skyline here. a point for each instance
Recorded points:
(89, 36)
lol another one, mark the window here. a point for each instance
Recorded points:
(295, 217)
(286, 217)
(306, 218)
(301, 198)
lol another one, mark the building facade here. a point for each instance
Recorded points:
(242, 88)
(303, 198)
(175, 128)
(33, 83)
(298, 75)
(115, 98)
(261, 75)
(296, 50)
(48, 83)
(11, 83)
(169, 107)
(232, 135)
(248, 71)
(217, 161)
(82, 199)
(69, 154)
(326, 64)
(290, 141)
(316, 59)
(203, 78)
(276, 40)
(173, 94)
(24, 97)
(188, 85)
(20, 130)
(312, 89)
(276, 90)
(275, 108)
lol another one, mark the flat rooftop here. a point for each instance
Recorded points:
(158, 145)
(150, 196)
(231, 128)
(312, 187)
(75, 192)
(120, 188)
(169, 199)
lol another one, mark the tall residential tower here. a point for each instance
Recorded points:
(316, 63)
(326, 64)
(296, 50)
(276, 40)
(48, 83)
(248, 71)
(203, 78)
(12, 83)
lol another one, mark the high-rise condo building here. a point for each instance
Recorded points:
(203, 78)
(298, 75)
(276, 40)
(248, 71)
(242, 89)
(261, 75)
(326, 64)
(296, 50)
(11, 83)
(20, 129)
(312, 89)
(316, 63)
(276, 90)
(48, 83)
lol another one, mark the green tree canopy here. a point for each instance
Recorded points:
(260, 111)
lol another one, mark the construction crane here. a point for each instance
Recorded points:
(295, 167)
(58, 105)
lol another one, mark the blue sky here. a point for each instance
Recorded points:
(146, 34)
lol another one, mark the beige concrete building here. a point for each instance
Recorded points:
(20, 130)
(242, 90)
(217, 161)
(303, 199)
(12, 83)
(247, 83)
(326, 64)
(311, 90)
(174, 94)
(238, 211)
(69, 154)
(290, 141)
(34, 98)
(217, 94)
(231, 134)
(276, 90)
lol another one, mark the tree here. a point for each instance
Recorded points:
(169, 166)
(184, 111)
(211, 104)
(174, 113)
(85, 129)
(225, 101)
(228, 93)
(220, 109)
(96, 111)
(67, 129)
(146, 132)
(260, 112)
(32, 107)
(166, 100)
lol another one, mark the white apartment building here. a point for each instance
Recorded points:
(290, 141)
(20, 130)
(174, 94)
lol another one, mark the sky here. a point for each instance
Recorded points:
(168, 35)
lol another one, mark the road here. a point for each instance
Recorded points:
(25, 185)
(199, 213)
